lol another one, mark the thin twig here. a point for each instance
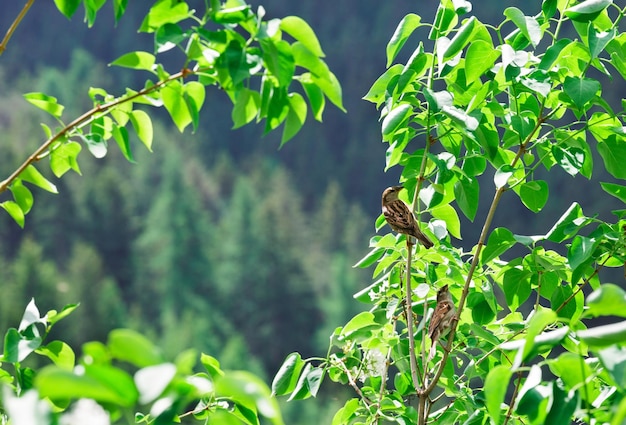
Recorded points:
(409, 315)
(83, 119)
(13, 27)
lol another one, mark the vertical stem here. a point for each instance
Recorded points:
(13, 27)
(409, 315)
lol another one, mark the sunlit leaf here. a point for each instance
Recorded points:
(403, 31)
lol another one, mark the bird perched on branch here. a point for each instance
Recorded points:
(442, 318)
(399, 216)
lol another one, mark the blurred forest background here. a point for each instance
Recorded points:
(217, 240)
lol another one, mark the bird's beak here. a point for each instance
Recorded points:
(400, 187)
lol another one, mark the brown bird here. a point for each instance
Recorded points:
(399, 216)
(442, 318)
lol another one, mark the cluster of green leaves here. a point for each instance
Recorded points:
(162, 389)
(228, 46)
(507, 99)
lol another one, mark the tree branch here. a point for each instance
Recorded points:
(13, 27)
(84, 119)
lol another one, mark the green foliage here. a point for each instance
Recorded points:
(103, 374)
(507, 99)
(245, 51)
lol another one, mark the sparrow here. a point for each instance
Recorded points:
(441, 319)
(399, 216)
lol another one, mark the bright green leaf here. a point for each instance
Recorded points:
(581, 90)
(495, 388)
(32, 175)
(500, 240)
(105, 384)
(480, 57)
(403, 31)
(587, 10)
(295, 117)
(136, 60)
(67, 7)
(616, 190)
(64, 158)
(528, 25)
(143, 126)
(130, 346)
(534, 194)
(450, 217)
(164, 12)
(45, 102)
(287, 376)
(608, 300)
(395, 118)
(60, 353)
(22, 195)
(461, 39)
(301, 31)
(613, 151)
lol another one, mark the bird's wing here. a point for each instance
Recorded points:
(399, 213)
(442, 310)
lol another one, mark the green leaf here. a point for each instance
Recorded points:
(496, 384)
(130, 346)
(91, 10)
(516, 287)
(331, 88)
(301, 31)
(232, 15)
(67, 7)
(480, 57)
(378, 92)
(60, 353)
(194, 94)
(370, 258)
(45, 102)
(450, 217)
(136, 60)
(616, 190)
(278, 59)
(528, 25)
(580, 252)
(613, 359)
(151, 381)
(541, 318)
(287, 376)
(395, 118)
(32, 175)
(460, 40)
(599, 40)
(172, 95)
(501, 178)
(64, 158)
(105, 384)
(168, 36)
(534, 194)
(295, 117)
(613, 151)
(568, 224)
(604, 336)
(608, 300)
(360, 322)
(54, 316)
(247, 104)
(575, 373)
(121, 137)
(467, 194)
(403, 31)
(308, 384)
(588, 10)
(212, 365)
(119, 7)
(143, 127)
(22, 196)
(500, 240)
(581, 90)
(316, 98)
(164, 12)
